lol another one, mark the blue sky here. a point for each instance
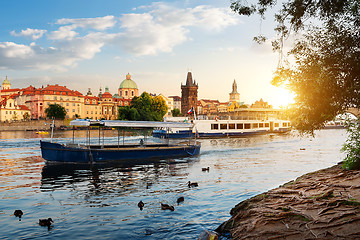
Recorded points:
(91, 43)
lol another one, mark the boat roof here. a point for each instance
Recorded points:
(134, 124)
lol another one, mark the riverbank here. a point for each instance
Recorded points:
(324, 204)
(31, 125)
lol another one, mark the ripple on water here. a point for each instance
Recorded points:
(86, 201)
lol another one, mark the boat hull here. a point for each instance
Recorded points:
(61, 153)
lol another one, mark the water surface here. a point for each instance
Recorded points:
(100, 201)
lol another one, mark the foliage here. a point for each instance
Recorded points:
(352, 145)
(325, 75)
(144, 108)
(55, 111)
(26, 116)
(176, 112)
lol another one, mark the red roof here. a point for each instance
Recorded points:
(106, 95)
(23, 107)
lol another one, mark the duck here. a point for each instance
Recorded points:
(179, 200)
(18, 213)
(167, 207)
(45, 222)
(193, 184)
(204, 169)
(141, 205)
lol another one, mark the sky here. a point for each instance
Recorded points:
(85, 44)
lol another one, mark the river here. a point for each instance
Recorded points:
(100, 201)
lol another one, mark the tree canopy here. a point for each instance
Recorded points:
(55, 111)
(325, 71)
(144, 108)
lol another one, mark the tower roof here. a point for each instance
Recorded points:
(6, 81)
(128, 83)
(234, 87)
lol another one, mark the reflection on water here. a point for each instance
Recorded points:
(100, 201)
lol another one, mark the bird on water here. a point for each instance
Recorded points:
(45, 222)
(18, 213)
(141, 205)
(167, 207)
(179, 200)
(192, 184)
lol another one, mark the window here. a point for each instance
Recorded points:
(73, 99)
(87, 112)
(223, 126)
(67, 110)
(276, 124)
(284, 124)
(55, 98)
(261, 125)
(73, 104)
(231, 125)
(120, 93)
(126, 93)
(73, 110)
(247, 126)
(267, 125)
(214, 126)
(255, 125)
(239, 126)
(132, 93)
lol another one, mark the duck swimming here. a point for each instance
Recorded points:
(45, 222)
(141, 205)
(179, 200)
(18, 213)
(167, 207)
(192, 184)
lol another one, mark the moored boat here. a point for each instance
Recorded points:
(72, 152)
(225, 128)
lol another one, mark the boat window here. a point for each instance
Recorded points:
(223, 126)
(247, 125)
(284, 124)
(267, 125)
(255, 125)
(240, 126)
(231, 125)
(261, 125)
(214, 126)
(276, 124)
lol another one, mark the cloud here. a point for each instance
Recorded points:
(99, 23)
(159, 29)
(33, 33)
(164, 27)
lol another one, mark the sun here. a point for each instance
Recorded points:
(282, 98)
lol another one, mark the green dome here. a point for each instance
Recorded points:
(128, 83)
(6, 81)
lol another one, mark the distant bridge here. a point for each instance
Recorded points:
(353, 111)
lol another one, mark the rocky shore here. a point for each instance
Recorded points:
(321, 205)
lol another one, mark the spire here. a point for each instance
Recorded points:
(189, 81)
(234, 87)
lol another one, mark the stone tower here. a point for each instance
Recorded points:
(234, 95)
(189, 93)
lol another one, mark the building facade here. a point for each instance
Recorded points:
(189, 94)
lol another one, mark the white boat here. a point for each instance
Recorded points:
(225, 128)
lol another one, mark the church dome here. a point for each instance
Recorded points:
(6, 81)
(128, 83)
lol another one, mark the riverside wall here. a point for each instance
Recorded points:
(33, 125)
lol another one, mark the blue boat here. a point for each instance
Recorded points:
(72, 152)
